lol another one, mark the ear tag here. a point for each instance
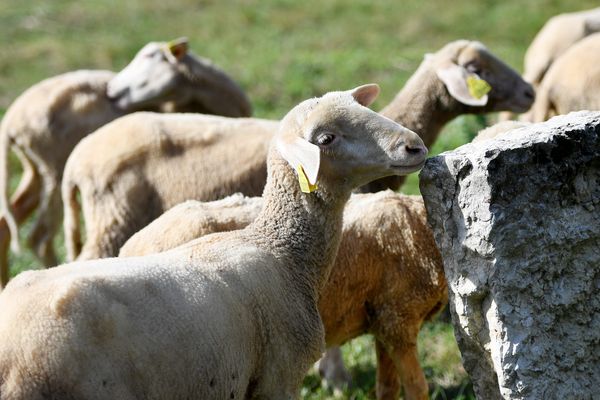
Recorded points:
(477, 87)
(305, 185)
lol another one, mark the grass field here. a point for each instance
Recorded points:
(281, 52)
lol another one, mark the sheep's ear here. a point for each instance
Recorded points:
(178, 48)
(303, 157)
(464, 86)
(365, 94)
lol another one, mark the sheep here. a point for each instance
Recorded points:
(442, 88)
(571, 83)
(230, 315)
(556, 36)
(45, 123)
(387, 279)
(150, 162)
(135, 175)
(169, 73)
(497, 130)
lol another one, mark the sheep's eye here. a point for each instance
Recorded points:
(325, 138)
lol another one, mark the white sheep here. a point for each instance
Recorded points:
(497, 130)
(132, 169)
(572, 83)
(45, 123)
(387, 279)
(556, 36)
(451, 82)
(230, 315)
(126, 183)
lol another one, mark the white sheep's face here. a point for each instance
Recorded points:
(477, 78)
(150, 78)
(339, 141)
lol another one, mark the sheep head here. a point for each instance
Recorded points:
(336, 140)
(149, 79)
(478, 79)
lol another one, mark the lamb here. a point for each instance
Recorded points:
(230, 315)
(132, 169)
(446, 85)
(169, 73)
(138, 174)
(45, 123)
(387, 279)
(571, 83)
(556, 36)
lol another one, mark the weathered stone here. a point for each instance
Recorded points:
(518, 223)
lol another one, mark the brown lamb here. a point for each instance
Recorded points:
(387, 279)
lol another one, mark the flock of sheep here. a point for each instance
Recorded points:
(212, 294)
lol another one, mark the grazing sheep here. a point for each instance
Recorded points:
(387, 279)
(230, 315)
(46, 122)
(572, 83)
(556, 36)
(119, 196)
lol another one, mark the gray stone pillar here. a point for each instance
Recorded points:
(517, 221)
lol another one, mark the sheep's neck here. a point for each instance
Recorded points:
(305, 227)
(208, 90)
(423, 106)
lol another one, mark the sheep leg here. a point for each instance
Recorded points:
(388, 378)
(46, 226)
(23, 202)
(27, 196)
(412, 376)
(23, 206)
(333, 371)
(3, 263)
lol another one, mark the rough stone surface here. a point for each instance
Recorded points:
(517, 220)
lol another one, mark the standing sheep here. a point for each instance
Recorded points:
(387, 278)
(572, 83)
(45, 123)
(123, 189)
(230, 315)
(555, 37)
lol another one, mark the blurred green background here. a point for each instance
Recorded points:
(281, 52)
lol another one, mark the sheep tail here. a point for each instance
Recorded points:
(71, 219)
(5, 208)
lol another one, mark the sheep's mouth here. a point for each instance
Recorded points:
(519, 106)
(119, 98)
(408, 168)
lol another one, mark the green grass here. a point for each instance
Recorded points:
(281, 52)
(438, 354)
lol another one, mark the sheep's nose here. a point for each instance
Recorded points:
(529, 93)
(416, 149)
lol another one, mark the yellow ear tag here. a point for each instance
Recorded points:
(305, 185)
(478, 87)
